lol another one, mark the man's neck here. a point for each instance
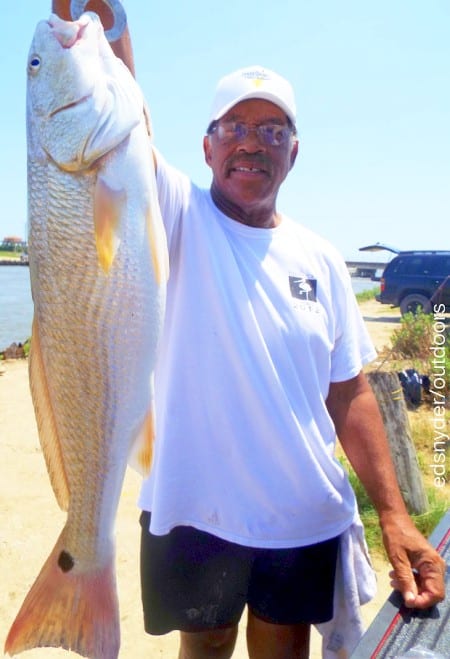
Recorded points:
(260, 218)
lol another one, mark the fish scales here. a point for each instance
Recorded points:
(98, 267)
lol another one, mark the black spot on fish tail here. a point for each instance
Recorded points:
(65, 561)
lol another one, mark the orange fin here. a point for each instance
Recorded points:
(108, 204)
(156, 235)
(69, 609)
(141, 454)
(48, 431)
(157, 265)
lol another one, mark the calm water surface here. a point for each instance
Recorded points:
(16, 306)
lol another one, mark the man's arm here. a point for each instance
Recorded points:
(359, 426)
(122, 47)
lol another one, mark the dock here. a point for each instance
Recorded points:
(13, 262)
(366, 269)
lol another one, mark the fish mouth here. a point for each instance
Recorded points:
(69, 106)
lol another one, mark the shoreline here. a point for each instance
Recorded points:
(13, 262)
(16, 311)
(371, 310)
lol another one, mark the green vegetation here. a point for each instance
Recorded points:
(413, 342)
(13, 244)
(26, 347)
(414, 337)
(368, 295)
(8, 254)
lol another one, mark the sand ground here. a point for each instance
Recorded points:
(30, 520)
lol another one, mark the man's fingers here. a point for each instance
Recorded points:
(424, 586)
(419, 570)
(431, 581)
(402, 579)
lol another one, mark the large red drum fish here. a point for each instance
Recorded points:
(98, 265)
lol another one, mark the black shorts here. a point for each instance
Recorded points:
(194, 581)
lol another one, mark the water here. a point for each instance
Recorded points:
(16, 306)
(360, 284)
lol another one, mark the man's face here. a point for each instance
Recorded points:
(248, 172)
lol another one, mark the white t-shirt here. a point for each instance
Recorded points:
(259, 322)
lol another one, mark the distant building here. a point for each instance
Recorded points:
(13, 244)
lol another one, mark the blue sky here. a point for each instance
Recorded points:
(372, 81)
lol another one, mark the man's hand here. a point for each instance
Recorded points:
(419, 571)
(122, 47)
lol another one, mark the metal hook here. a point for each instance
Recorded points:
(77, 7)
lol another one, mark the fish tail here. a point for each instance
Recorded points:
(68, 608)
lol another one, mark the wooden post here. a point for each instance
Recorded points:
(389, 394)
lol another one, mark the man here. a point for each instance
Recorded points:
(260, 368)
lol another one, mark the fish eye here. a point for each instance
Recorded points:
(34, 64)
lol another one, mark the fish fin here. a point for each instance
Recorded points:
(45, 418)
(157, 240)
(69, 609)
(152, 237)
(108, 205)
(148, 120)
(141, 454)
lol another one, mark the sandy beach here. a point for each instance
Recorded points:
(30, 520)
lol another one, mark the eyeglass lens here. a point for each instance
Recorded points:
(271, 134)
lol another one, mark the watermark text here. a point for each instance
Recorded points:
(438, 392)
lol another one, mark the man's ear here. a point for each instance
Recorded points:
(294, 153)
(207, 149)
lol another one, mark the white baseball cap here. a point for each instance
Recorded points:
(252, 82)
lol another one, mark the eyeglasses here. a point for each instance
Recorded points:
(236, 131)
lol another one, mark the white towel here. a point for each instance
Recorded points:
(355, 585)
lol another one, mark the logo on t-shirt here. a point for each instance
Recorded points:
(303, 288)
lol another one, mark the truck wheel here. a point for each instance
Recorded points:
(413, 302)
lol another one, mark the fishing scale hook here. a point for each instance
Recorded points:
(77, 7)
